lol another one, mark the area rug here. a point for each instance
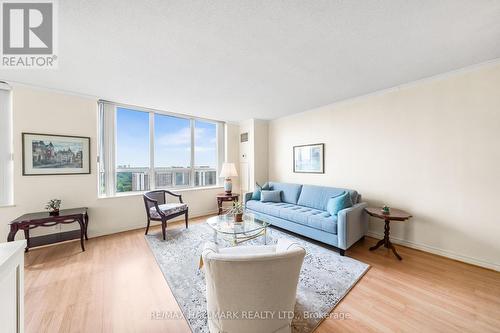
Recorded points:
(325, 278)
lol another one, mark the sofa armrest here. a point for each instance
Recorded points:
(352, 224)
(248, 196)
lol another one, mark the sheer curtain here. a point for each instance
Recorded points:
(6, 162)
(106, 148)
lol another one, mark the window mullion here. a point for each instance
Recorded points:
(192, 180)
(152, 183)
(221, 151)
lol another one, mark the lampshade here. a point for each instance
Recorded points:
(228, 170)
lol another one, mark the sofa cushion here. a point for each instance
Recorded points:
(336, 204)
(317, 196)
(310, 217)
(270, 196)
(271, 208)
(323, 221)
(289, 192)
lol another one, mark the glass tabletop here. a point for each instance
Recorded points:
(225, 224)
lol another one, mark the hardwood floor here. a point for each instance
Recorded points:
(116, 285)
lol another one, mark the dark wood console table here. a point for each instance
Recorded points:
(44, 219)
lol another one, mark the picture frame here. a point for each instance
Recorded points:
(54, 154)
(309, 158)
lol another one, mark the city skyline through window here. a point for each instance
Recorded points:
(173, 139)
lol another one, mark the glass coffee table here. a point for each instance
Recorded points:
(236, 233)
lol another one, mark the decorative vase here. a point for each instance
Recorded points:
(238, 217)
(55, 212)
(386, 210)
(228, 186)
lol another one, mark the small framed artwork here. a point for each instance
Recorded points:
(309, 158)
(47, 154)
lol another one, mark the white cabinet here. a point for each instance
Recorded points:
(12, 286)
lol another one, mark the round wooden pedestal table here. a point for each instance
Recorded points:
(393, 215)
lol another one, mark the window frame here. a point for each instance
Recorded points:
(107, 150)
(7, 153)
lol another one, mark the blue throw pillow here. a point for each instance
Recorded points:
(270, 196)
(255, 195)
(336, 204)
(258, 189)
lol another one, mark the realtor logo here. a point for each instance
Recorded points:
(28, 31)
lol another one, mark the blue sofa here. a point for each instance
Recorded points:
(303, 210)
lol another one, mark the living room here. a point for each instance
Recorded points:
(258, 166)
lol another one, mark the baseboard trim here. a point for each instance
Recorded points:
(438, 251)
(143, 224)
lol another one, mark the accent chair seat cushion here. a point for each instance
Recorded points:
(168, 209)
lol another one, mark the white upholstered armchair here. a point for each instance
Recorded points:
(252, 288)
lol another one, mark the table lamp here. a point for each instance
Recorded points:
(228, 171)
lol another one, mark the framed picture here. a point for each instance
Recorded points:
(309, 158)
(47, 154)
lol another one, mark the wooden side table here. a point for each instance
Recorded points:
(394, 215)
(221, 197)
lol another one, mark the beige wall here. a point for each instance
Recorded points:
(431, 148)
(43, 111)
(261, 145)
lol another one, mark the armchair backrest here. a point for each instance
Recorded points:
(153, 198)
(247, 280)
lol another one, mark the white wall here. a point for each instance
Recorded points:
(431, 148)
(43, 111)
(232, 137)
(246, 156)
(253, 153)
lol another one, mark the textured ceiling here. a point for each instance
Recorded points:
(233, 60)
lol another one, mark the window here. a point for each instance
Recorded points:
(132, 150)
(172, 141)
(205, 148)
(141, 150)
(6, 196)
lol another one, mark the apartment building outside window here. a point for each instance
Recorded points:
(141, 150)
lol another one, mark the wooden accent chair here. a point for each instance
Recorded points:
(157, 208)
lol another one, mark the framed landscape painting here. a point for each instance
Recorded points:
(309, 158)
(47, 154)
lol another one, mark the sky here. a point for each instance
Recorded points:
(172, 140)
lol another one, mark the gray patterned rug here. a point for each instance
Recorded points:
(325, 278)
